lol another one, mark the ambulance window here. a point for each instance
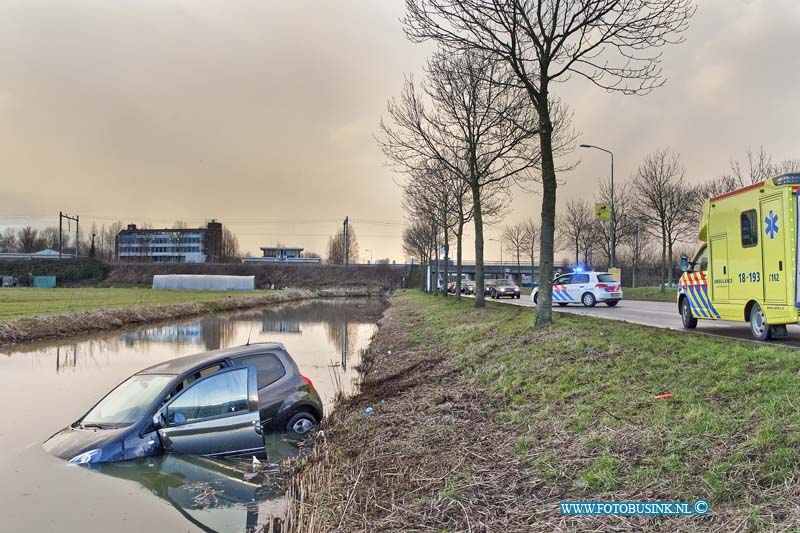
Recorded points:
(701, 261)
(749, 224)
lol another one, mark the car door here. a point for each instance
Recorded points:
(578, 284)
(215, 415)
(560, 291)
(274, 384)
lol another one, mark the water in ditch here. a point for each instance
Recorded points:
(46, 386)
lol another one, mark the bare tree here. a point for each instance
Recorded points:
(8, 240)
(577, 229)
(230, 251)
(623, 213)
(664, 199)
(430, 194)
(531, 242)
(310, 255)
(514, 238)
(418, 242)
(29, 240)
(478, 130)
(336, 246)
(612, 43)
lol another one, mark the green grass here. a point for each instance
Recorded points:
(653, 294)
(581, 395)
(24, 302)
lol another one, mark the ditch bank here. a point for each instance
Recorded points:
(429, 455)
(66, 325)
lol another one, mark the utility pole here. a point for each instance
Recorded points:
(612, 252)
(346, 243)
(76, 218)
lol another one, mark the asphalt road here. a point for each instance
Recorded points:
(662, 315)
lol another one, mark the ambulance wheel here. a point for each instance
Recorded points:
(758, 324)
(689, 322)
(588, 300)
(562, 304)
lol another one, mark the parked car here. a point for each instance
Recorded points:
(504, 288)
(216, 403)
(468, 287)
(587, 288)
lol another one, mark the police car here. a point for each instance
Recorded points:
(587, 288)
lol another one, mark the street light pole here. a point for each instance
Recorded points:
(612, 254)
(370, 255)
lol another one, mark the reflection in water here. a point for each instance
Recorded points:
(325, 338)
(215, 495)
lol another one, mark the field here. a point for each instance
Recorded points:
(25, 302)
(483, 407)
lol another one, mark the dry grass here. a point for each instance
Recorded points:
(481, 423)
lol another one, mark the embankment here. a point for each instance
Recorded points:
(482, 422)
(64, 325)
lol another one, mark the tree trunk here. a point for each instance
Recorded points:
(459, 240)
(544, 313)
(519, 269)
(669, 264)
(445, 280)
(663, 261)
(480, 300)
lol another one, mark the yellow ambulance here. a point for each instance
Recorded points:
(746, 269)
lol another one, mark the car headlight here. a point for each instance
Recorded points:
(87, 457)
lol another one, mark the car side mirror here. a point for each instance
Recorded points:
(158, 420)
(684, 263)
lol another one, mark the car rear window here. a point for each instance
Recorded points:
(269, 367)
(606, 278)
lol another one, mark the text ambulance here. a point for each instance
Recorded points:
(746, 270)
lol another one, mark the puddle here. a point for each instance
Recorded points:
(46, 386)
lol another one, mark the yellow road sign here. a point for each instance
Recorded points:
(602, 212)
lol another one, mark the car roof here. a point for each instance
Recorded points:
(188, 362)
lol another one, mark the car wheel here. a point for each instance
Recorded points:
(562, 304)
(588, 300)
(535, 299)
(758, 324)
(301, 423)
(612, 303)
(689, 322)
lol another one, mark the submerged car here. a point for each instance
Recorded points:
(218, 403)
(587, 288)
(504, 288)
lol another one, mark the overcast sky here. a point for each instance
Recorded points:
(261, 114)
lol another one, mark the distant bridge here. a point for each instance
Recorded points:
(493, 269)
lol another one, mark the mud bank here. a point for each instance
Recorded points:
(65, 325)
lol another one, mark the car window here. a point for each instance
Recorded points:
(580, 278)
(218, 395)
(563, 280)
(269, 367)
(188, 380)
(606, 278)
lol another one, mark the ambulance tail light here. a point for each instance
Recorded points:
(786, 179)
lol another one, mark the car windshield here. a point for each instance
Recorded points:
(126, 404)
(505, 282)
(606, 278)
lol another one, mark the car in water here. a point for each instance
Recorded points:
(215, 404)
(504, 288)
(587, 288)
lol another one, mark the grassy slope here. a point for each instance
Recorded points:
(24, 302)
(650, 293)
(581, 395)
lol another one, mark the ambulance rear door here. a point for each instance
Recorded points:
(773, 249)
